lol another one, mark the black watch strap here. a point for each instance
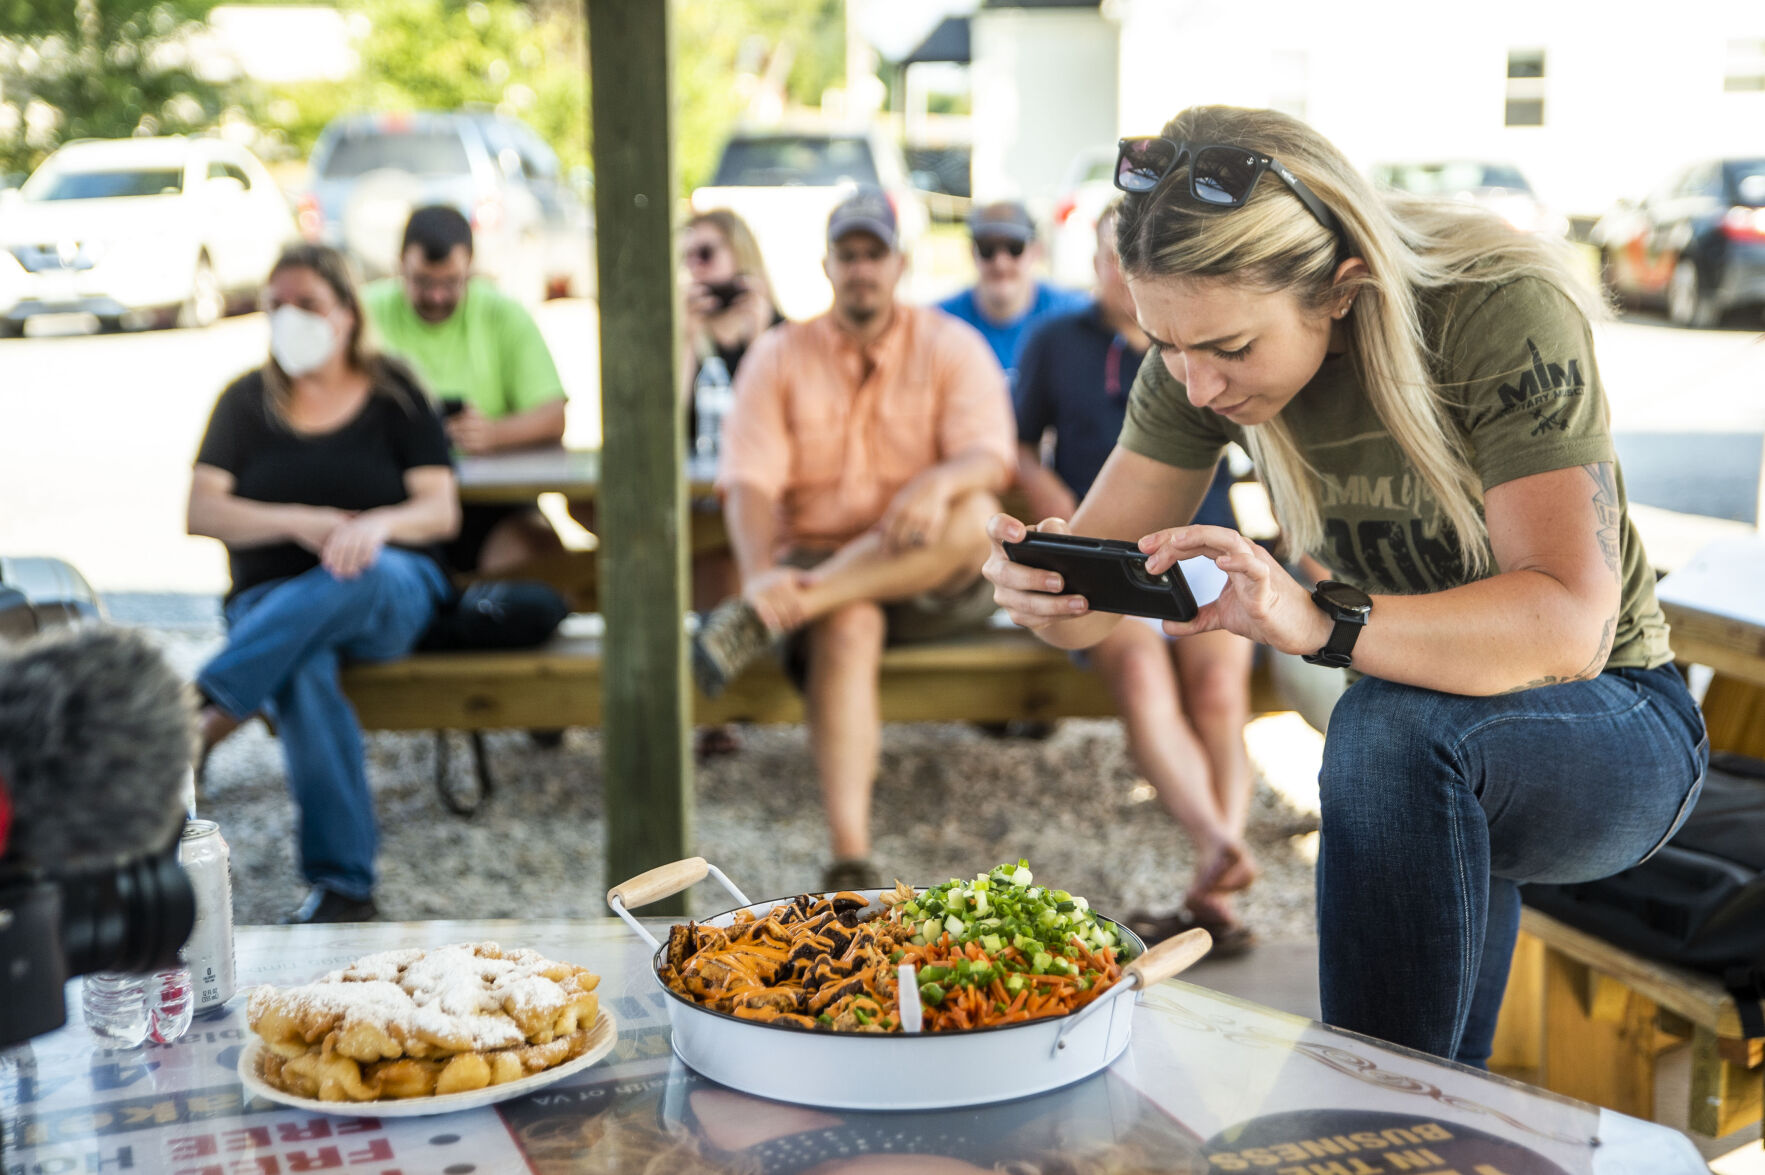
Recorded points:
(1338, 651)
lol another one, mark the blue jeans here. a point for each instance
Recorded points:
(286, 640)
(1436, 807)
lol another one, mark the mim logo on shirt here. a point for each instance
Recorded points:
(1407, 494)
(1538, 388)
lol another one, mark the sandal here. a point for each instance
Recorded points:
(717, 740)
(1230, 939)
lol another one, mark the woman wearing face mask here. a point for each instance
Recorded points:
(326, 473)
(1416, 384)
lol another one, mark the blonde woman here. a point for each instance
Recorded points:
(1416, 383)
(326, 474)
(726, 297)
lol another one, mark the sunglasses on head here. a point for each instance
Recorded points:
(990, 249)
(1220, 174)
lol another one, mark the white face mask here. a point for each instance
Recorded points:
(300, 340)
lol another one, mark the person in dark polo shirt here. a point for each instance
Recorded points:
(1183, 703)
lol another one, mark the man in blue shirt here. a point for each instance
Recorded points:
(1007, 300)
(1183, 703)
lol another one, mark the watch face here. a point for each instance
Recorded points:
(1345, 597)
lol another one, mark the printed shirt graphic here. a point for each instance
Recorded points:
(1517, 361)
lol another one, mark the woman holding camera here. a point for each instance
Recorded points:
(727, 299)
(326, 474)
(726, 305)
(1416, 384)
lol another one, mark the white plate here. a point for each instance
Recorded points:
(600, 1043)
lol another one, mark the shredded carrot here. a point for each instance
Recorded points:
(967, 1005)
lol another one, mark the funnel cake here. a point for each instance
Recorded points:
(412, 1023)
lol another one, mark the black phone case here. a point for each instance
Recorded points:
(1109, 573)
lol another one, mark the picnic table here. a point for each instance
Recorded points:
(525, 474)
(1208, 1082)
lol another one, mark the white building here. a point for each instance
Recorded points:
(1044, 86)
(1591, 101)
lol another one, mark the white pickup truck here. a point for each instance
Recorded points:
(784, 183)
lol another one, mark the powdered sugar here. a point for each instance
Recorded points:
(456, 993)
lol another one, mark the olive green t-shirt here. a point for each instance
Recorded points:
(1516, 361)
(488, 352)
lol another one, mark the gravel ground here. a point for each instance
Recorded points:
(950, 801)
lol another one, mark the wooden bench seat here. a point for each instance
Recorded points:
(994, 676)
(1590, 1020)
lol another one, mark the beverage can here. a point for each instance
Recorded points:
(209, 953)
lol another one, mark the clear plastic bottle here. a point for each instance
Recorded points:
(125, 1010)
(712, 397)
(116, 1008)
(170, 1004)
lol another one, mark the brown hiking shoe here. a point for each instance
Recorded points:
(731, 637)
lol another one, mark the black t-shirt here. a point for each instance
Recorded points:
(732, 358)
(357, 466)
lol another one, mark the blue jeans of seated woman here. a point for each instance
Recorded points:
(286, 641)
(1437, 806)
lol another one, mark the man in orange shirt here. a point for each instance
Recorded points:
(860, 464)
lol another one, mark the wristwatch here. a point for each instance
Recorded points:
(1349, 607)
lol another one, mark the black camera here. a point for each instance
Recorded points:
(96, 739)
(726, 292)
(132, 919)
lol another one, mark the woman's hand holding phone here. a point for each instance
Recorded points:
(1030, 596)
(1260, 600)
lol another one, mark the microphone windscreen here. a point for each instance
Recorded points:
(96, 734)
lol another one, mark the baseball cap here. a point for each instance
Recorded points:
(867, 210)
(1006, 220)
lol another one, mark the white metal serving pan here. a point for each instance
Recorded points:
(893, 1071)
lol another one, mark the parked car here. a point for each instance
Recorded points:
(38, 592)
(1498, 187)
(784, 181)
(1088, 190)
(139, 231)
(532, 230)
(1697, 245)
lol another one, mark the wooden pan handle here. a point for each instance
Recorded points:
(661, 882)
(1170, 957)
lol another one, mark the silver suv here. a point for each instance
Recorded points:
(532, 228)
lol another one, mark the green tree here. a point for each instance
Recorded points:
(74, 69)
(529, 59)
(719, 43)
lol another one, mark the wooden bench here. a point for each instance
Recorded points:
(1589, 1020)
(998, 675)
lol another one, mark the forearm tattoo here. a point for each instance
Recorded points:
(1607, 516)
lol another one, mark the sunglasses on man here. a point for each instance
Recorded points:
(1220, 174)
(990, 249)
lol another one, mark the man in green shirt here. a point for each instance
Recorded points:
(480, 354)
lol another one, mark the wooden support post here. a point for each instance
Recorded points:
(1599, 1043)
(1725, 1095)
(1519, 1033)
(648, 778)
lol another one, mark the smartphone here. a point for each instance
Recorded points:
(726, 292)
(452, 406)
(1110, 573)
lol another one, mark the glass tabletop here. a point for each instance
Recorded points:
(1208, 1083)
